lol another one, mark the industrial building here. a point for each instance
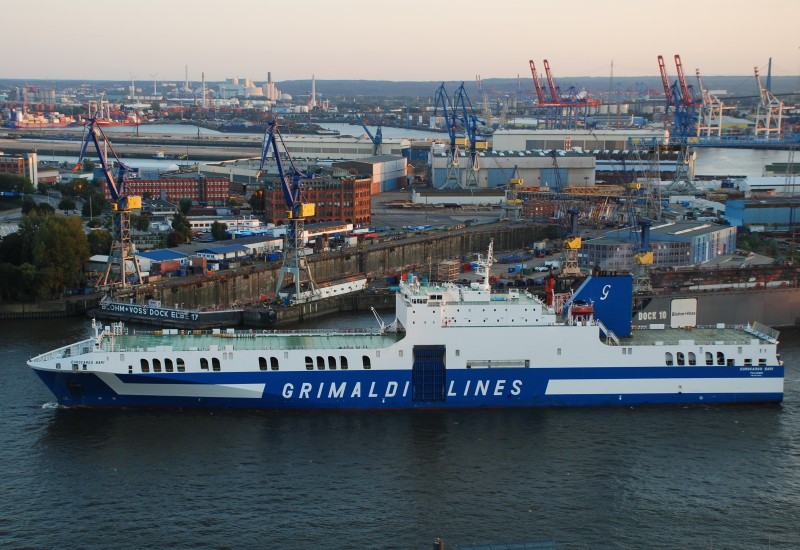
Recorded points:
(536, 167)
(335, 198)
(586, 140)
(175, 186)
(24, 166)
(765, 214)
(386, 172)
(674, 244)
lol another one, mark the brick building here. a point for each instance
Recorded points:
(335, 199)
(24, 166)
(200, 189)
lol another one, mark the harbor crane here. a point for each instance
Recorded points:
(299, 209)
(769, 114)
(122, 266)
(444, 105)
(681, 98)
(473, 141)
(711, 111)
(563, 110)
(376, 138)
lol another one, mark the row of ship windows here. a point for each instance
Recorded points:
(691, 359)
(179, 364)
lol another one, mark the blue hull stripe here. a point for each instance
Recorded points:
(376, 389)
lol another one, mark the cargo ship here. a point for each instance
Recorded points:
(449, 346)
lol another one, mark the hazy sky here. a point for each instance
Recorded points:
(428, 40)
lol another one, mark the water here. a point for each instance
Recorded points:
(719, 477)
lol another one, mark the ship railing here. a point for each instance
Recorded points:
(66, 352)
(610, 336)
(763, 331)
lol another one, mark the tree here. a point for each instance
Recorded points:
(12, 182)
(140, 223)
(66, 204)
(185, 205)
(88, 165)
(181, 225)
(99, 242)
(60, 249)
(93, 205)
(219, 230)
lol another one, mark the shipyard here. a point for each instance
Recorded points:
(305, 275)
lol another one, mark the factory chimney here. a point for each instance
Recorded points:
(203, 76)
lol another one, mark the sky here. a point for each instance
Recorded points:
(413, 40)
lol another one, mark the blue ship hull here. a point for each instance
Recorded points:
(492, 388)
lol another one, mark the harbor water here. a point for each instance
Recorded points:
(672, 477)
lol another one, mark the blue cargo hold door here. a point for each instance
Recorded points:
(428, 374)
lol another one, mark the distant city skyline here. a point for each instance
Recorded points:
(412, 41)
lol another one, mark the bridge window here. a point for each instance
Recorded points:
(709, 358)
(204, 363)
(681, 359)
(145, 365)
(320, 362)
(309, 363)
(262, 363)
(720, 358)
(332, 362)
(215, 363)
(343, 362)
(156, 365)
(748, 362)
(181, 365)
(273, 363)
(366, 362)
(762, 362)
(692, 358)
(668, 359)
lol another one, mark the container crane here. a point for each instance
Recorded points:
(709, 123)
(474, 142)
(123, 252)
(376, 138)
(298, 209)
(443, 104)
(769, 114)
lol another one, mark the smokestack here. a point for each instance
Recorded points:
(269, 78)
(186, 86)
(203, 76)
(313, 91)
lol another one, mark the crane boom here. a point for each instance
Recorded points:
(292, 191)
(537, 83)
(665, 80)
(116, 187)
(551, 84)
(376, 139)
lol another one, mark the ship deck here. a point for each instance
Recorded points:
(675, 336)
(266, 340)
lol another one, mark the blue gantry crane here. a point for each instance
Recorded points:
(444, 105)
(122, 267)
(685, 103)
(376, 138)
(303, 288)
(473, 141)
